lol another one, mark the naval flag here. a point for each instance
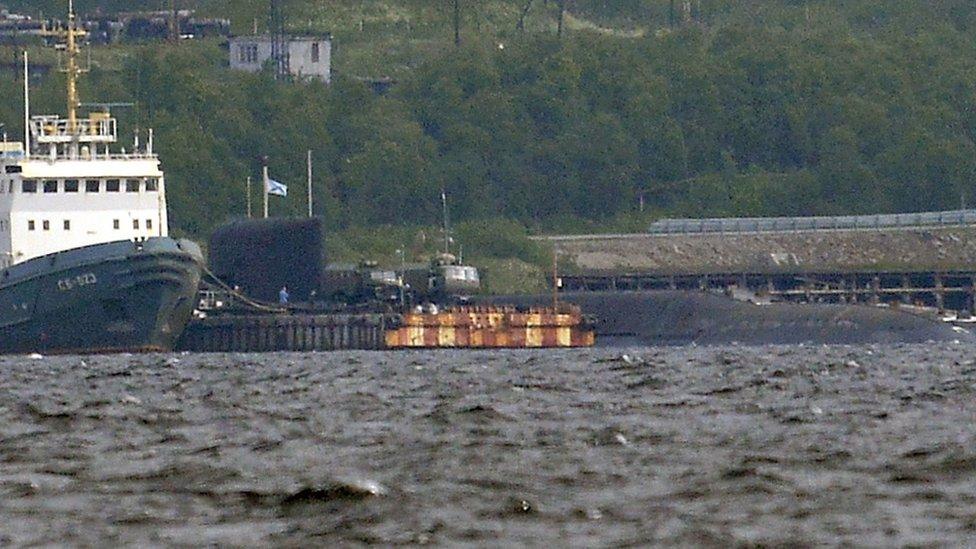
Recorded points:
(277, 188)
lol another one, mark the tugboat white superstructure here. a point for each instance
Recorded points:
(87, 264)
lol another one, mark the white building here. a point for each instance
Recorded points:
(307, 56)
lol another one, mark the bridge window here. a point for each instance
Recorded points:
(70, 185)
(67, 224)
(149, 224)
(112, 186)
(135, 224)
(30, 225)
(152, 184)
(46, 225)
(115, 224)
(92, 186)
(51, 185)
(28, 186)
(132, 185)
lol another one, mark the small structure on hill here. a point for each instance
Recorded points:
(307, 57)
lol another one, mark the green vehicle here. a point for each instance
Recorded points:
(444, 280)
(365, 285)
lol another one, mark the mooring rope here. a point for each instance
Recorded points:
(266, 307)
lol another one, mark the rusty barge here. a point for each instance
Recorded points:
(486, 327)
(489, 327)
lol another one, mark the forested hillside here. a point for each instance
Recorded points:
(749, 108)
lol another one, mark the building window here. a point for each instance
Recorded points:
(67, 225)
(28, 186)
(315, 52)
(248, 53)
(30, 225)
(46, 225)
(132, 185)
(152, 185)
(70, 185)
(51, 186)
(149, 224)
(112, 186)
(135, 224)
(92, 186)
(115, 224)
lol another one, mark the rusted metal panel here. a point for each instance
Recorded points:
(492, 327)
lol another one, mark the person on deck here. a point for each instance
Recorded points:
(283, 296)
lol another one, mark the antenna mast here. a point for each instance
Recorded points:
(73, 70)
(27, 144)
(174, 22)
(279, 44)
(447, 226)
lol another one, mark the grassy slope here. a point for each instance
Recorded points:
(373, 37)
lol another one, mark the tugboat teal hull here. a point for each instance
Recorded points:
(126, 296)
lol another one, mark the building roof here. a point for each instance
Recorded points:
(268, 38)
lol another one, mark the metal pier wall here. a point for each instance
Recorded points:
(268, 333)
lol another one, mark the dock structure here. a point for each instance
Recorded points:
(259, 333)
(930, 266)
(486, 327)
(955, 291)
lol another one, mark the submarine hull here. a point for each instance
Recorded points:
(700, 318)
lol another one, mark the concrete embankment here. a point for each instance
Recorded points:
(684, 318)
(949, 249)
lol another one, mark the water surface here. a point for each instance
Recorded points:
(688, 446)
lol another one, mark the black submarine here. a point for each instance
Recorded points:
(263, 255)
(685, 317)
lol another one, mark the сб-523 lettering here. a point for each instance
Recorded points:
(67, 284)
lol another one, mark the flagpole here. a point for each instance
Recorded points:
(249, 197)
(27, 143)
(310, 183)
(265, 193)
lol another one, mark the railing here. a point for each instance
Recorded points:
(85, 156)
(85, 130)
(11, 149)
(786, 224)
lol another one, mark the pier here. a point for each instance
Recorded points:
(929, 264)
(952, 291)
(285, 332)
(462, 328)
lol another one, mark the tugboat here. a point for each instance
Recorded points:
(86, 263)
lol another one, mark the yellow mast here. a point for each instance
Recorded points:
(73, 70)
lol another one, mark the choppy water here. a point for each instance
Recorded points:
(792, 445)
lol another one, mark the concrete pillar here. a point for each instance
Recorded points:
(972, 297)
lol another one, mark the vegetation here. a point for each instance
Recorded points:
(773, 107)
